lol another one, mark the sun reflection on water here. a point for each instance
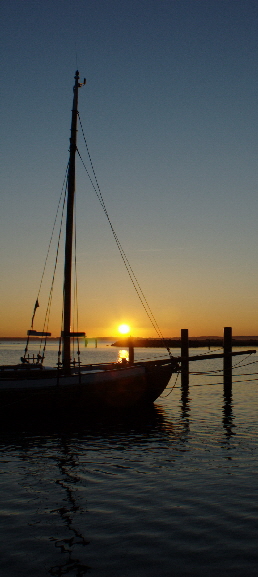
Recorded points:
(122, 354)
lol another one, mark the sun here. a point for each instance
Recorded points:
(124, 329)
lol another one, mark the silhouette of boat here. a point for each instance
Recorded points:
(30, 387)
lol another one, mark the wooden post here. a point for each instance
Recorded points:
(131, 350)
(185, 358)
(227, 361)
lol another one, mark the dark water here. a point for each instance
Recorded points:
(173, 492)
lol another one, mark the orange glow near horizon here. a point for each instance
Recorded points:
(15, 321)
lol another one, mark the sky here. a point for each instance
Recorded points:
(170, 114)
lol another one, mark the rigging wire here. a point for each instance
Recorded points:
(172, 388)
(36, 306)
(51, 238)
(47, 315)
(125, 260)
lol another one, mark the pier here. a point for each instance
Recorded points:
(226, 356)
(184, 343)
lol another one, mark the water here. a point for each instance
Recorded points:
(173, 493)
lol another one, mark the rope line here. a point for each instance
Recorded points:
(128, 267)
(215, 374)
(47, 315)
(51, 238)
(172, 388)
(64, 185)
(125, 260)
(219, 383)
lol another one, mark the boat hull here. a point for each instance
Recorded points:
(99, 390)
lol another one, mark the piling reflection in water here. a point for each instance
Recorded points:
(185, 408)
(228, 416)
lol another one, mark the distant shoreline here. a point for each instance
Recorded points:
(193, 342)
(172, 342)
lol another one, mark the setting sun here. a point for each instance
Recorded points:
(124, 329)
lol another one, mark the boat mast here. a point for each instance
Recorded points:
(69, 230)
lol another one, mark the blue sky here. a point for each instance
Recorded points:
(170, 114)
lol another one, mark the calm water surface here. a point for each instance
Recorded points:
(170, 493)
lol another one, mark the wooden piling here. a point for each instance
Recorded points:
(227, 360)
(226, 355)
(184, 358)
(131, 350)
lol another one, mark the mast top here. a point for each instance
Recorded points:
(76, 78)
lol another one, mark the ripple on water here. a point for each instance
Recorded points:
(172, 494)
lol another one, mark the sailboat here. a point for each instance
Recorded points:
(31, 388)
